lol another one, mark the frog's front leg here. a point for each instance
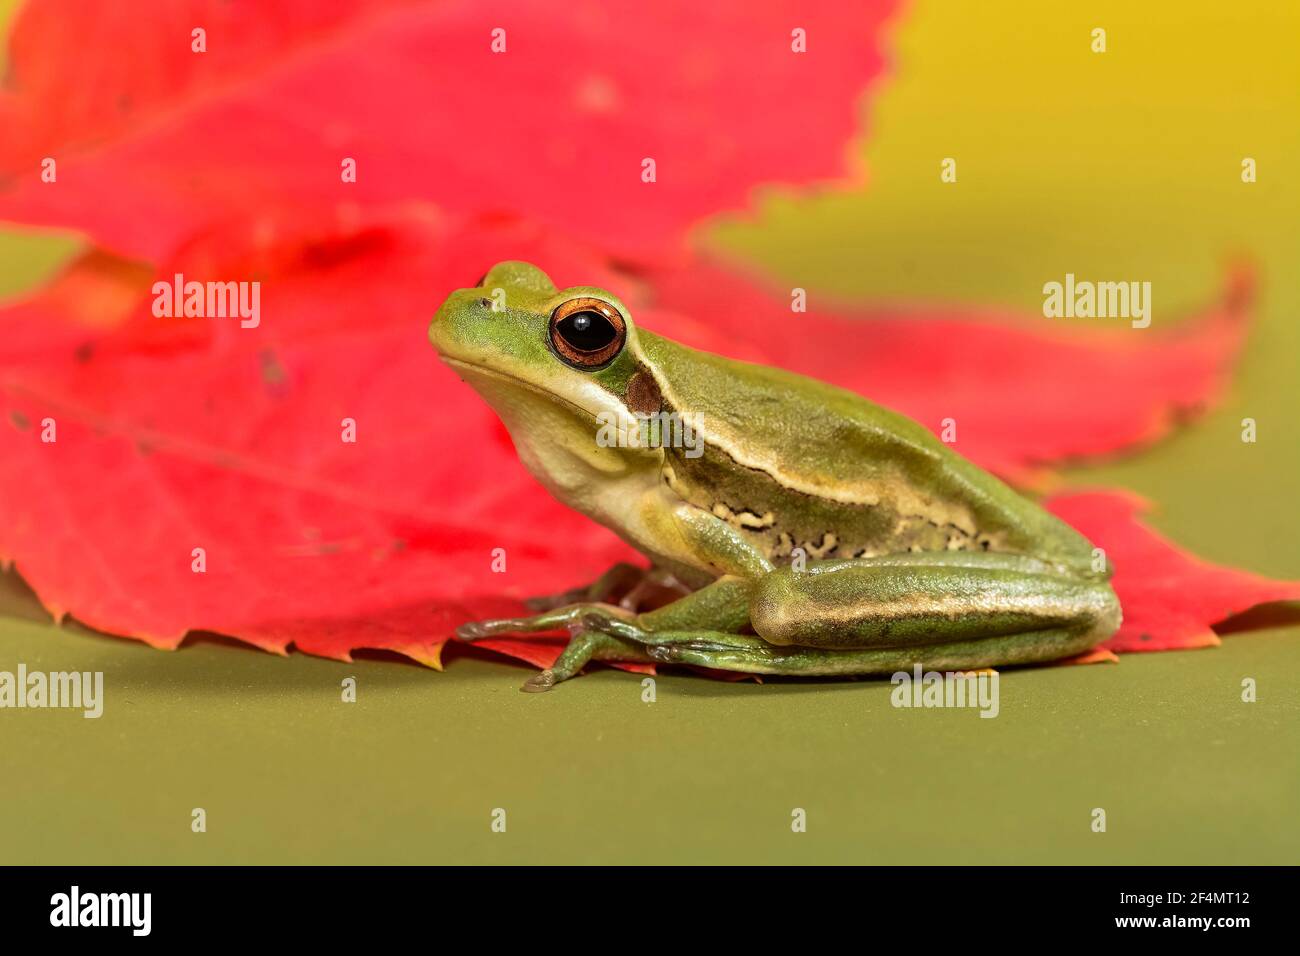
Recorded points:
(611, 633)
(722, 606)
(588, 614)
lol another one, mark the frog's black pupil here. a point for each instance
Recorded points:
(587, 331)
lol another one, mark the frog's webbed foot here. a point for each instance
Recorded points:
(601, 632)
(539, 683)
(586, 645)
(590, 640)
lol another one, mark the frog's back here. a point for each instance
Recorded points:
(794, 462)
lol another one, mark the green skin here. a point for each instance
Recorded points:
(812, 533)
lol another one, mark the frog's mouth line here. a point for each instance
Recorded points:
(476, 368)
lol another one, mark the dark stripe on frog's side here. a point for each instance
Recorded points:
(754, 503)
(878, 481)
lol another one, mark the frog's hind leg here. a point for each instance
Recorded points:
(944, 611)
(948, 610)
(750, 654)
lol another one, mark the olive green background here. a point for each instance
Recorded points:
(1122, 165)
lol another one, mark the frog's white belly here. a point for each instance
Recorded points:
(622, 488)
(636, 505)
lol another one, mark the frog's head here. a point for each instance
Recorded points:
(556, 364)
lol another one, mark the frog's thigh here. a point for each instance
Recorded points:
(919, 600)
(720, 606)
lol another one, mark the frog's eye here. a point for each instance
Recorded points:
(587, 333)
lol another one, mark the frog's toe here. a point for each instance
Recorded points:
(474, 630)
(688, 651)
(614, 625)
(539, 683)
(664, 653)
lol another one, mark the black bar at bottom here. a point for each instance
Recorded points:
(374, 904)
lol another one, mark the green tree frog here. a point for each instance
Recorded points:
(801, 529)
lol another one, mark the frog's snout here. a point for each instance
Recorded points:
(460, 319)
(441, 333)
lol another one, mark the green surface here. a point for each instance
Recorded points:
(412, 771)
(1123, 165)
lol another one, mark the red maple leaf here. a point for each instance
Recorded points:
(194, 433)
(183, 434)
(154, 142)
(199, 434)
(1169, 597)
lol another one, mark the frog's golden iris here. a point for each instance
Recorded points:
(587, 332)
